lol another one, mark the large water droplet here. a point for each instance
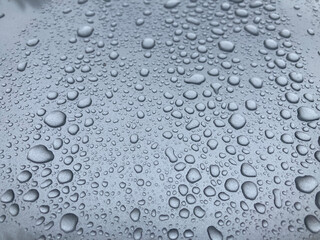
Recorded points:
(68, 222)
(40, 154)
(85, 31)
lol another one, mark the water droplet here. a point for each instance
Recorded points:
(7, 196)
(237, 121)
(193, 175)
(226, 46)
(306, 184)
(196, 79)
(40, 154)
(55, 119)
(85, 31)
(148, 43)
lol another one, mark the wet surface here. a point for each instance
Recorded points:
(159, 120)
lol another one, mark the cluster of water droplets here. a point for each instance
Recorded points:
(160, 120)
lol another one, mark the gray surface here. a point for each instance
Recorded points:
(149, 100)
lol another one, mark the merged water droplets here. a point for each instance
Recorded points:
(307, 114)
(40, 154)
(306, 184)
(196, 79)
